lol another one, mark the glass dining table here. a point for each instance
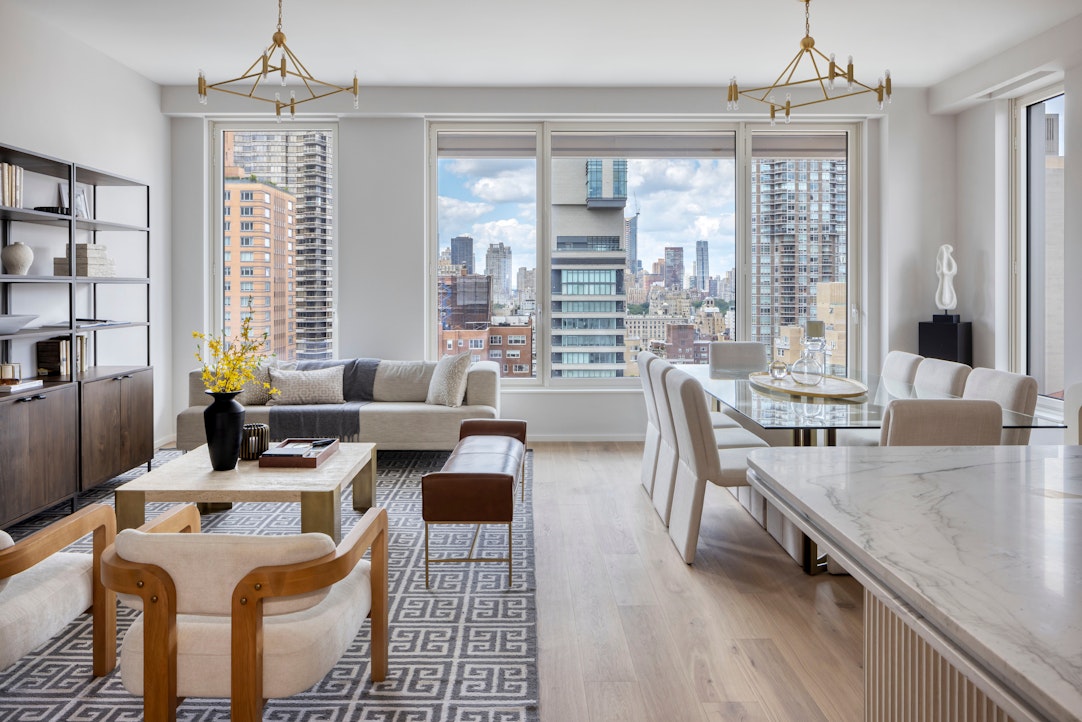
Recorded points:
(811, 417)
(815, 420)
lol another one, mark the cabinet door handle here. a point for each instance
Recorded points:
(39, 396)
(24, 400)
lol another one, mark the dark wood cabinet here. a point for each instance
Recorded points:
(117, 429)
(39, 451)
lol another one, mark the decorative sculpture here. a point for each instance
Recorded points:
(946, 268)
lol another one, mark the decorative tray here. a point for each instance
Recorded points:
(298, 453)
(831, 387)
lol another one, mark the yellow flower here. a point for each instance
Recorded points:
(231, 363)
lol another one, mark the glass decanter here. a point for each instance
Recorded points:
(808, 370)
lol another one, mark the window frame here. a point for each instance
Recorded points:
(1018, 313)
(853, 128)
(215, 243)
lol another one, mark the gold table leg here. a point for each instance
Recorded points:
(130, 509)
(321, 512)
(364, 486)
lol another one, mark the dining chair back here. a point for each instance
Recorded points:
(901, 365)
(665, 474)
(737, 357)
(941, 422)
(1014, 392)
(896, 382)
(653, 433)
(938, 379)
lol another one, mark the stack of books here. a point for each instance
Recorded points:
(54, 356)
(11, 185)
(24, 385)
(91, 259)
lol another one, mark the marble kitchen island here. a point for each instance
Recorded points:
(971, 560)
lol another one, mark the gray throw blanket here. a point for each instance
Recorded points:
(341, 421)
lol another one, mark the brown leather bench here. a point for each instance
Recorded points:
(477, 483)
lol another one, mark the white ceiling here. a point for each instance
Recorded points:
(554, 43)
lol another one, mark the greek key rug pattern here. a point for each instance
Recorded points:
(464, 650)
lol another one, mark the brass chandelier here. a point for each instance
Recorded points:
(787, 80)
(289, 65)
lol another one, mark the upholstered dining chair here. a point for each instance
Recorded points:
(245, 617)
(1014, 392)
(653, 433)
(699, 461)
(941, 422)
(665, 475)
(43, 589)
(936, 378)
(735, 358)
(896, 380)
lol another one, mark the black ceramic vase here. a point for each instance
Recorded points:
(224, 422)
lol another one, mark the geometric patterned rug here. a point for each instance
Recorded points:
(464, 650)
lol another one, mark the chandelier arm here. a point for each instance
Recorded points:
(836, 97)
(790, 68)
(819, 77)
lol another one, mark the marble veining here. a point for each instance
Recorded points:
(984, 542)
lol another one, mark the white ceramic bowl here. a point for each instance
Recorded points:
(12, 323)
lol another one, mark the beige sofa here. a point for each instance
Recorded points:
(396, 417)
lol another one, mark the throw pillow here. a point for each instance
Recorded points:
(319, 386)
(448, 385)
(255, 393)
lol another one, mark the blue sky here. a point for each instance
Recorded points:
(679, 201)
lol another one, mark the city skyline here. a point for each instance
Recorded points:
(679, 201)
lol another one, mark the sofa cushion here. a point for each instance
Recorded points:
(402, 380)
(254, 392)
(318, 386)
(448, 384)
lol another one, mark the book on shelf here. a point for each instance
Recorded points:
(11, 185)
(25, 385)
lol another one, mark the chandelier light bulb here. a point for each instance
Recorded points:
(886, 82)
(202, 88)
(277, 108)
(283, 68)
(849, 73)
(833, 72)
(266, 66)
(879, 94)
(356, 92)
(292, 105)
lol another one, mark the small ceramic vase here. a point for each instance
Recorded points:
(17, 258)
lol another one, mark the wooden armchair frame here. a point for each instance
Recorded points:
(96, 519)
(156, 588)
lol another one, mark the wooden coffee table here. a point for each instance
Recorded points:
(319, 489)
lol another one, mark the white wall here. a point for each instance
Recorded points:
(63, 99)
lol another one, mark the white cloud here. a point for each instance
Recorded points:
(521, 237)
(456, 214)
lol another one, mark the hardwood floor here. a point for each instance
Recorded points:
(628, 632)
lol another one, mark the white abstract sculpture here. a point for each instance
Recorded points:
(946, 268)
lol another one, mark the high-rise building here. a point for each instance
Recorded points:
(257, 250)
(702, 265)
(300, 162)
(631, 241)
(799, 239)
(674, 267)
(526, 289)
(462, 252)
(588, 266)
(498, 266)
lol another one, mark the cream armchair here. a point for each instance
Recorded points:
(42, 589)
(211, 598)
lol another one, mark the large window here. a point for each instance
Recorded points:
(799, 242)
(1043, 122)
(635, 242)
(285, 178)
